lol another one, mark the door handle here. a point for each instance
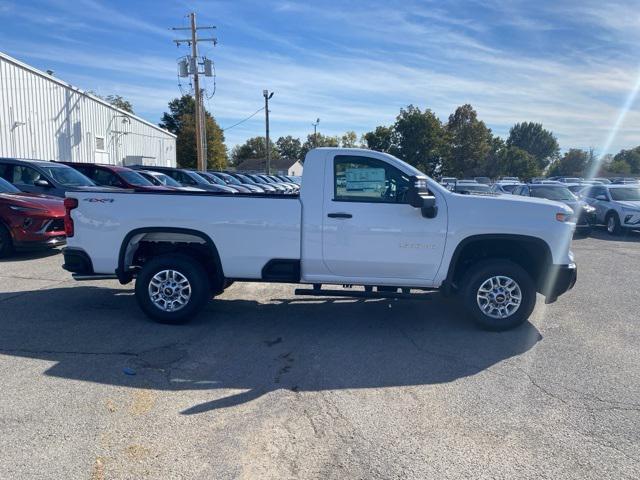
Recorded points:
(339, 215)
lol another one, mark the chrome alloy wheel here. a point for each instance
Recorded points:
(169, 290)
(499, 297)
(611, 224)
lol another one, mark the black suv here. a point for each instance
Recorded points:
(50, 178)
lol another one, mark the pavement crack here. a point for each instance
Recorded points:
(585, 397)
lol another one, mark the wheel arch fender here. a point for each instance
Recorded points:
(162, 234)
(522, 242)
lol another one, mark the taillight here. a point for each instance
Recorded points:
(69, 204)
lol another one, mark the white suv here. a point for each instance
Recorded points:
(617, 206)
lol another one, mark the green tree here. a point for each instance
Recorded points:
(573, 163)
(349, 140)
(620, 166)
(289, 148)
(492, 162)
(419, 139)
(180, 120)
(319, 140)
(253, 148)
(119, 102)
(631, 158)
(513, 161)
(470, 142)
(533, 138)
(381, 139)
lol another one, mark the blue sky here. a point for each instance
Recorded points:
(568, 64)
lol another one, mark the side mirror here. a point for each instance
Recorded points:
(41, 182)
(601, 197)
(418, 196)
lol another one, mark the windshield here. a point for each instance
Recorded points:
(562, 194)
(167, 180)
(473, 187)
(625, 194)
(67, 176)
(229, 179)
(199, 179)
(259, 179)
(6, 187)
(134, 178)
(214, 179)
(246, 179)
(509, 187)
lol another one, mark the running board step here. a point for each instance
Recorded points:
(94, 276)
(312, 292)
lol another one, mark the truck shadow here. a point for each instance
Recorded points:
(99, 335)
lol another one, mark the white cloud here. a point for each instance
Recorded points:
(355, 71)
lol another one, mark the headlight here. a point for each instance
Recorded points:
(564, 217)
(588, 208)
(20, 209)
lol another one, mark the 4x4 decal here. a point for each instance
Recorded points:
(99, 200)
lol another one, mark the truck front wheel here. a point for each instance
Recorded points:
(172, 288)
(499, 294)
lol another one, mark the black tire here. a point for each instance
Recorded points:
(6, 242)
(484, 270)
(614, 228)
(198, 289)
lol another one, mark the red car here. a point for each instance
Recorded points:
(115, 176)
(29, 221)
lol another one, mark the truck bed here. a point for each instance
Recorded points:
(248, 230)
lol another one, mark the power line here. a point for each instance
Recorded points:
(242, 121)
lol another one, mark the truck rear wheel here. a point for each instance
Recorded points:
(172, 288)
(499, 294)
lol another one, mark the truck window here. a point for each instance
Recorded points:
(364, 179)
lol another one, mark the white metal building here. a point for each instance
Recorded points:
(42, 117)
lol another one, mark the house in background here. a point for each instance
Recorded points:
(280, 166)
(45, 118)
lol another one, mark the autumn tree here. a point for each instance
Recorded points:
(180, 120)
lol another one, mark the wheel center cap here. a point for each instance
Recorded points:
(168, 291)
(500, 298)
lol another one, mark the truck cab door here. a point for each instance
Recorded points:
(370, 231)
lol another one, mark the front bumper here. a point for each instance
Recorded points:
(586, 220)
(630, 220)
(49, 242)
(559, 279)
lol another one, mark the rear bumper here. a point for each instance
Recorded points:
(559, 279)
(76, 260)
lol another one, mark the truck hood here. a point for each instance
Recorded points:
(517, 199)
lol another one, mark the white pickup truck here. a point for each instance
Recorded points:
(363, 219)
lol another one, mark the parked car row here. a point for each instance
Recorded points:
(614, 203)
(31, 192)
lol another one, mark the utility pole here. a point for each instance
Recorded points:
(267, 96)
(191, 67)
(315, 132)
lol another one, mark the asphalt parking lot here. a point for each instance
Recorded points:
(269, 385)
